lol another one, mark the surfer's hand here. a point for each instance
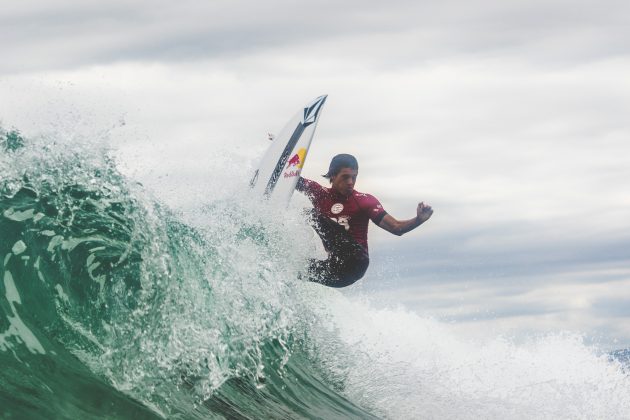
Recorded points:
(424, 212)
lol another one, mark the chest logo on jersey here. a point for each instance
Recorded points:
(336, 208)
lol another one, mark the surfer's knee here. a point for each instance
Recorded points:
(358, 269)
(351, 271)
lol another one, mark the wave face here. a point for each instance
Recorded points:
(112, 305)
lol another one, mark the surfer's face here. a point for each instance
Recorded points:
(344, 181)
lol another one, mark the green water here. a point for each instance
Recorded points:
(112, 307)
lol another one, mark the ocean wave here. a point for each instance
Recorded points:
(113, 305)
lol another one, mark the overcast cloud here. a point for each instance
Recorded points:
(510, 118)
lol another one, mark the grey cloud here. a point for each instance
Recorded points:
(507, 311)
(447, 259)
(68, 34)
(612, 308)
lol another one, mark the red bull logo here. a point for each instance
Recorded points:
(297, 159)
(297, 162)
(294, 161)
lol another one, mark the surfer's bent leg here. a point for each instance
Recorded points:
(347, 260)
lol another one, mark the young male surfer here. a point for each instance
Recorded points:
(341, 216)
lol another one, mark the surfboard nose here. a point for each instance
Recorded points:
(311, 111)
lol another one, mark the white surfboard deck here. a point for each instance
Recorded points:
(280, 168)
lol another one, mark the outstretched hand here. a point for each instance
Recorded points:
(424, 212)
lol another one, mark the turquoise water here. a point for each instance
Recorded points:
(114, 306)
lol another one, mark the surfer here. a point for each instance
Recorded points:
(341, 216)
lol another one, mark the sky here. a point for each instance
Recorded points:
(509, 117)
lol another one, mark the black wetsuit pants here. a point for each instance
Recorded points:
(347, 260)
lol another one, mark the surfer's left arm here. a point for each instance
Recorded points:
(400, 227)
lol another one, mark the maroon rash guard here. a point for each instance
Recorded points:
(342, 223)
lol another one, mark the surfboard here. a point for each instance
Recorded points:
(279, 170)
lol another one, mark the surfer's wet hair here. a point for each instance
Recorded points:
(339, 162)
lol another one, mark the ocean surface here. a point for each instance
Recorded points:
(114, 306)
